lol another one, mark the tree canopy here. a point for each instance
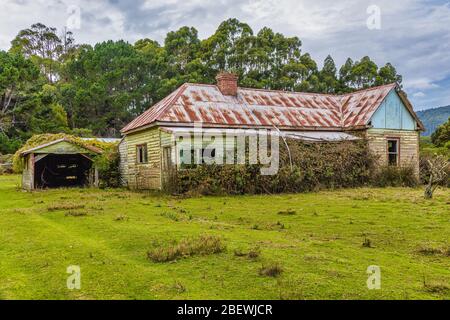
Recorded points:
(50, 84)
(441, 137)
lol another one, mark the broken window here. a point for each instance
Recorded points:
(393, 152)
(208, 156)
(141, 154)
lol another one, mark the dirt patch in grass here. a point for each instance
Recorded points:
(204, 245)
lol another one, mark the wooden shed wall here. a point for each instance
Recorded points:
(28, 174)
(123, 166)
(148, 175)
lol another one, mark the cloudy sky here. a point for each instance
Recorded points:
(414, 35)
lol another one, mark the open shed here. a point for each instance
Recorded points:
(60, 163)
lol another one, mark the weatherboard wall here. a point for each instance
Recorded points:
(144, 175)
(392, 114)
(394, 121)
(409, 146)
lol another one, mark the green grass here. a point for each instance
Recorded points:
(319, 248)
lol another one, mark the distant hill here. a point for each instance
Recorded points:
(433, 118)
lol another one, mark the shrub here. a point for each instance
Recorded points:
(6, 166)
(204, 245)
(425, 170)
(271, 270)
(108, 165)
(314, 166)
(9, 145)
(392, 176)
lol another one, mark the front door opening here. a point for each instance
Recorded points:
(56, 171)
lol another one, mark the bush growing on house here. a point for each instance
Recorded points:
(314, 166)
(107, 162)
(108, 167)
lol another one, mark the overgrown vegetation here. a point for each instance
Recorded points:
(106, 161)
(314, 167)
(392, 176)
(204, 245)
(6, 164)
(441, 137)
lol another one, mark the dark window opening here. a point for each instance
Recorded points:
(393, 152)
(208, 155)
(141, 154)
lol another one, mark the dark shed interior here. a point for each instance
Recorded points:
(62, 170)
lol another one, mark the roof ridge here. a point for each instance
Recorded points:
(299, 92)
(340, 108)
(393, 84)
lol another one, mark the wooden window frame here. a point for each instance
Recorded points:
(145, 158)
(389, 153)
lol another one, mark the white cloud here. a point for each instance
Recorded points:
(419, 94)
(414, 35)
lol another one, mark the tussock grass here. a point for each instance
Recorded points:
(433, 250)
(72, 213)
(65, 207)
(367, 243)
(251, 254)
(271, 270)
(437, 287)
(122, 217)
(204, 245)
(288, 212)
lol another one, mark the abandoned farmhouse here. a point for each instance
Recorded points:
(383, 115)
(149, 149)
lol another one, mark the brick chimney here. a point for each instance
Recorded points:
(227, 83)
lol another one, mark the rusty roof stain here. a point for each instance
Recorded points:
(262, 108)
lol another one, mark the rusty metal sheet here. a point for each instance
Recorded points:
(254, 107)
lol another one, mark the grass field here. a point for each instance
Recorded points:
(316, 238)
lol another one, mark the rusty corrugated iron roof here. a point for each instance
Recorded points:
(264, 108)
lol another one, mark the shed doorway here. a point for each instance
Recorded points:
(62, 171)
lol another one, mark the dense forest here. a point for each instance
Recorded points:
(51, 84)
